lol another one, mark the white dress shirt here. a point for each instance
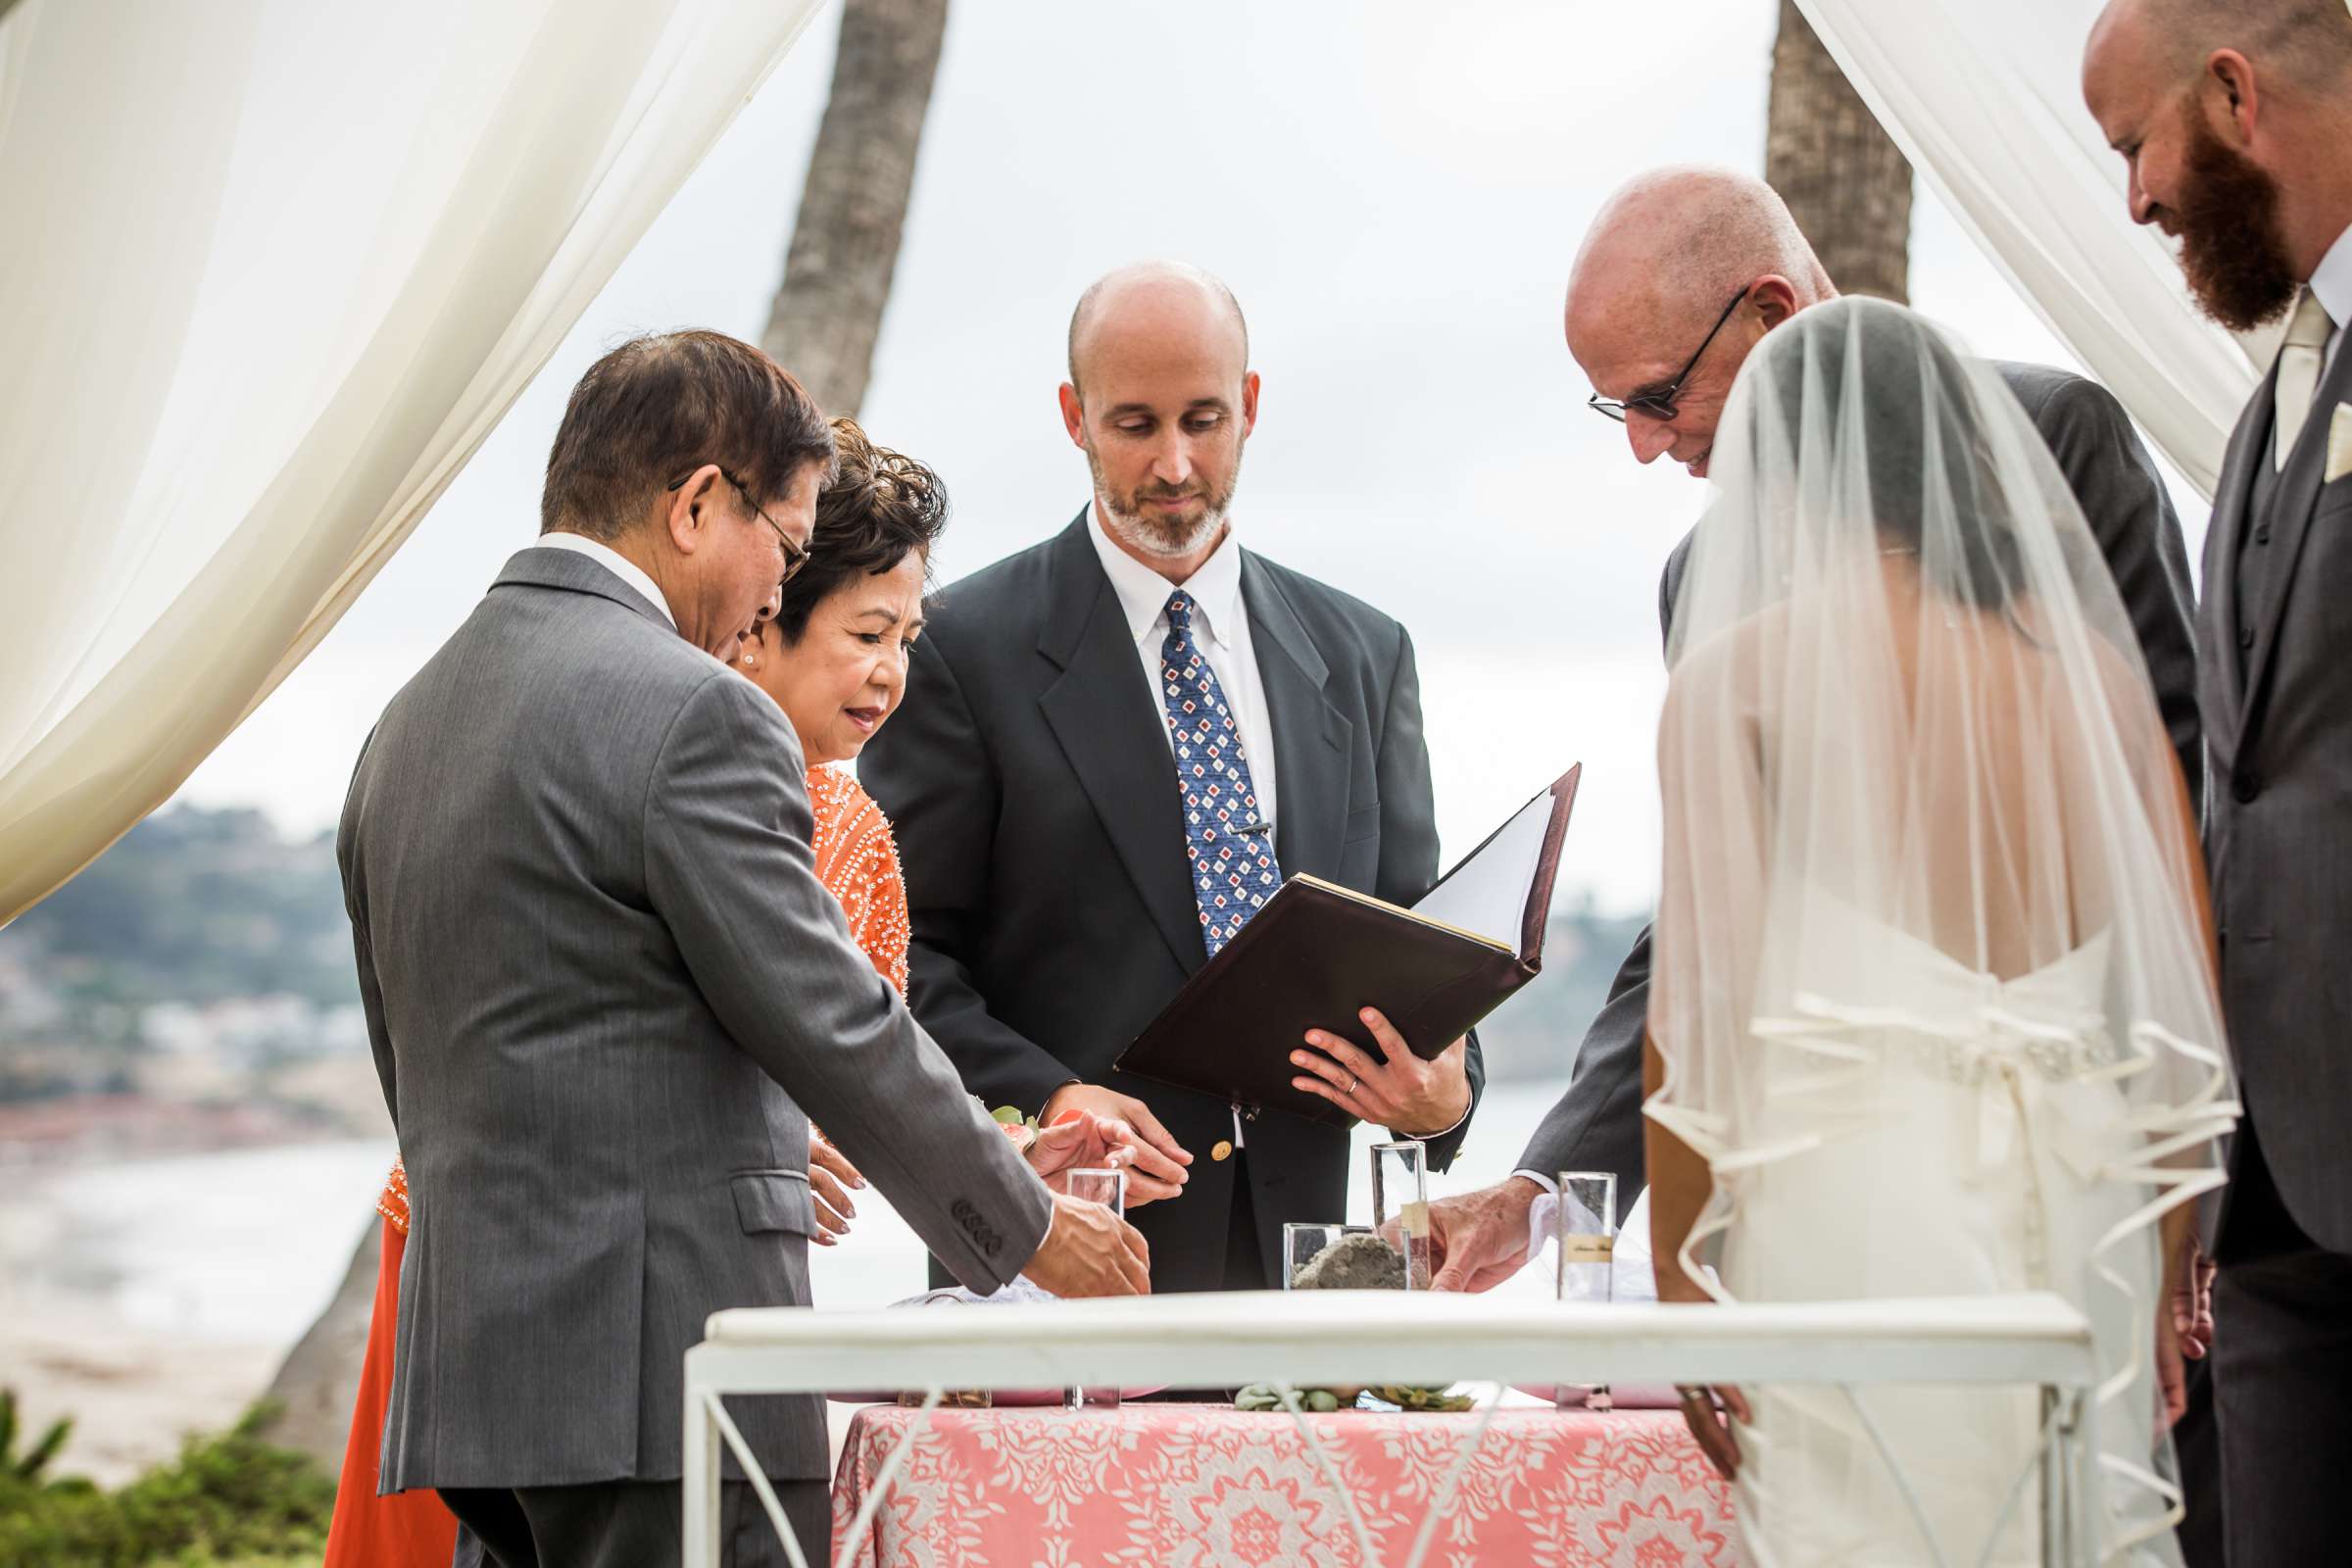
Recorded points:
(1221, 628)
(2332, 283)
(614, 561)
(2334, 287)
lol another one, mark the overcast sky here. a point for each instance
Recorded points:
(1393, 192)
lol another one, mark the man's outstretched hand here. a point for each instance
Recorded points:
(1479, 1240)
(1083, 1141)
(1089, 1250)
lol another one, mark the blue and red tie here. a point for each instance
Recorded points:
(1227, 843)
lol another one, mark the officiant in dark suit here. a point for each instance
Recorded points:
(1115, 746)
(2235, 123)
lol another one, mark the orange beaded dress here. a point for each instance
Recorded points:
(858, 862)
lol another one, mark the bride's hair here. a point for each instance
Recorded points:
(1897, 438)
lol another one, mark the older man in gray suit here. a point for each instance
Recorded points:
(2235, 122)
(606, 992)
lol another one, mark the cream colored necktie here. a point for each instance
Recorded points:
(2299, 359)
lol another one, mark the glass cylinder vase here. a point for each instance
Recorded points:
(1400, 1204)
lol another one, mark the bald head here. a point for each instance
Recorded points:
(2303, 42)
(1157, 299)
(1666, 254)
(1161, 399)
(1683, 240)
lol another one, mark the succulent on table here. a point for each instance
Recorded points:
(1324, 1401)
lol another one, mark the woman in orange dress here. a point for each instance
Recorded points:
(835, 661)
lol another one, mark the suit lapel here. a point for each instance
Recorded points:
(1106, 717)
(1311, 736)
(2292, 507)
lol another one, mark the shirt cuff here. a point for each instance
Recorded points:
(1544, 1214)
(1442, 1132)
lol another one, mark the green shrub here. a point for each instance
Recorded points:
(227, 1497)
(26, 1468)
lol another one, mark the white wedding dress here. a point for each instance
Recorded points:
(1944, 1118)
(1932, 993)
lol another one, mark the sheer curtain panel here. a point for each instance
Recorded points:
(273, 270)
(1985, 98)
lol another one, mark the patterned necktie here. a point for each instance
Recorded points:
(1233, 868)
(2299, 359)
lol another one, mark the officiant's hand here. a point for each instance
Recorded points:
(1089, 1250)
(1080, 1140)
(1479, 1240)
(1396, 1090)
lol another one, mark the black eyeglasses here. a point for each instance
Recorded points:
(1660, 405)
(796, 554)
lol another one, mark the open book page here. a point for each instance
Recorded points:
(1488, 892)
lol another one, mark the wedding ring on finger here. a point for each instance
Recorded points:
(1351, 1084)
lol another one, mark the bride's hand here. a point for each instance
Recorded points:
(2172, 1372)
(1709, 1413)
(1083, 1141)
(830, 1176)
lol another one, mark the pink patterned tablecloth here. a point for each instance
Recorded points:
(1210, 1486)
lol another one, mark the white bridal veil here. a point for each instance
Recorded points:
(1923, 824)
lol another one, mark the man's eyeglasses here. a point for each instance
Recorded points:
(1660, 405)
(796, 554)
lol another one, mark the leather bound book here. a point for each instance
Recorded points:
(1318, 952)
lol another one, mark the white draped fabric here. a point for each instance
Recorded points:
(1985, 98)
(272, 270)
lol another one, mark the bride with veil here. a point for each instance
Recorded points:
(1934, 1010)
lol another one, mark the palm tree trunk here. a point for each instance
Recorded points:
(318, 1382)
(1844, 181)
(845, 243)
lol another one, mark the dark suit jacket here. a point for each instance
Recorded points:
(1029, 781)
(1598, 1123)
(2278, 818)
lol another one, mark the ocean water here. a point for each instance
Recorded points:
(245, 1247)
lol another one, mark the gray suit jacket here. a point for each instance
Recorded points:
(2278, 820)
(1598, 1123)
(606, 992)
(1028, 778)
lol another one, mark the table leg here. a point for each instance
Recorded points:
(698, 1484)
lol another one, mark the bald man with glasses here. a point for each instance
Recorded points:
(1670, 253)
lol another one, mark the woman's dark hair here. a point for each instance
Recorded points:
(880, 507)
(1806, 358)
(658, 408)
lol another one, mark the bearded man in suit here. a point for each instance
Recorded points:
(2235, 122)
(1057, 863)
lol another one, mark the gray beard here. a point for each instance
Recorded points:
(1147, 537)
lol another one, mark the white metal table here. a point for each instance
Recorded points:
(1309, 1338)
